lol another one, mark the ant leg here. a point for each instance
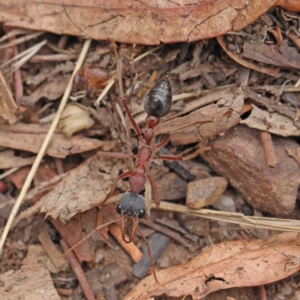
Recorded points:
(122, 98)
(112, 190)
(182, 158)
(162, 143)
(149, 253)
(154, 189)
(116, 154)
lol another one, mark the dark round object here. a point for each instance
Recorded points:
(158, 101)
(141, 213)
(119, 209)
(247, 210)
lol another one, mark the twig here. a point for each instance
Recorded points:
(59, 262)
(78, 272)
(18, 79)
(44, 146)
(262, 292)
(21, 40)
(130, 248)
(269, 149)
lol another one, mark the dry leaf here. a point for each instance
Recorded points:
(59, 146)
(224, 115)
(49, 90)
(261, 52)
(142, 22)
(230, 264)
(271, 122)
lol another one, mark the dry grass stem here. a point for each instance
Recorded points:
(42, 151)
(235, 218)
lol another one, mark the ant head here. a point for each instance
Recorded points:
(158, 101)
(132, 209)
(131, 205)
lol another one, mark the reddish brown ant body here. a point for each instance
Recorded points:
(157, 104)
(91, 79)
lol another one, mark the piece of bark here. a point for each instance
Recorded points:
(60, 262)
(221, 116)
(37, 254)
(59, 146)
(9, 160)
(30, 282)
(77, 229)
(83, 188)
(239, 156)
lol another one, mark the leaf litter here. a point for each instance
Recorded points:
(85, 186)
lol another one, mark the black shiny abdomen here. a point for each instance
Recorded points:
(158, 101)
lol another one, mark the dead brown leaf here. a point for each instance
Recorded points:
(271, 122)
(142, 22)
(259, 51)
(59, 146)
(230, 264)
(49, 90)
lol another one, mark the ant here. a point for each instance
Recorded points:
(91, 79)
(131, 208)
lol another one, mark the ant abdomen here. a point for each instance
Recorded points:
(158, 101)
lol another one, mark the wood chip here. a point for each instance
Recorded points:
(30, 282)
(8, 107)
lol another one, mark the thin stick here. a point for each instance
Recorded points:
(130, 248)
(269, 149)
(78, 272)
(46, 142)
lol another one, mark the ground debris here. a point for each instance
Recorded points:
(30, 282)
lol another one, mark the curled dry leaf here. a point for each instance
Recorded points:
(141, 22)
(230, 264)
(74, 118)
(271, 122)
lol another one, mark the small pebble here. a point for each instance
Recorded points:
(164, 262)
(225, 204)
(205, 192)
(99, 256)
